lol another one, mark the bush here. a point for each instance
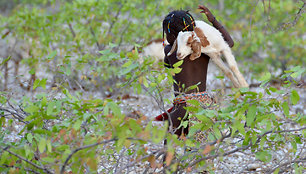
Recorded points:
(83, 72)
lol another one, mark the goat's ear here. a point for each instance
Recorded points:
(202, 37)
(173, 48)
(196, 50)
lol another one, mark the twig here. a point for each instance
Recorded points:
(244, 147)
(250, 31)
(89, 146)
(115, 19)
(94, 35)
(33, 164)
(123, 33)
(26, 169)
(287, 163)
(82, 148)
(118, 160)
(15, 114)
(71, 30)
(294, 22)
(74, 35)
(140, 159)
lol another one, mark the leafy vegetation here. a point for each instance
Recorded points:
(80, 58)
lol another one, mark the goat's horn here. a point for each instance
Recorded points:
(174, 48)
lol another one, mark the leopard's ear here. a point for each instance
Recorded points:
(201, 36)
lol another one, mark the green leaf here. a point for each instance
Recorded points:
(4, 157)
(31, 109)
(294, 97)
(42, 131)
(176, 70)
(265, 77)
(285, 108)
(193, 86)
(30, 138)
(32, 71)
(36, 83)
(40, 83)
(5, 60)
(185, 124)
(193, 102)
(239, 126)
(50, 108)
(297, 71)
(51, 55)
(145, 82)
(251, 115)
(3, 99)
(263, 156)
(262, 142)
(127, 64)
(44, 101)
(77, 125)
(179, 63)
(42, 145)
(49, 147)
(115, 108)
(128, 69)
(276, 171)
(27, 149)
(2, 120)
(294, 145)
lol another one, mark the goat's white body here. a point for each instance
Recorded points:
(214, 49)
(155, 50)
(216, 41)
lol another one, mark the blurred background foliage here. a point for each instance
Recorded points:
(61, 48)
(268, 35)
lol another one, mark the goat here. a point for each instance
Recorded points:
(153, 49)
(206, 39)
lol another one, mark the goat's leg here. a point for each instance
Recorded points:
(234, 67)
(217, 60)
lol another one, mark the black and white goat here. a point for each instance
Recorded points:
(207, 39)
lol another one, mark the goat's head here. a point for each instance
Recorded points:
(186, 43)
